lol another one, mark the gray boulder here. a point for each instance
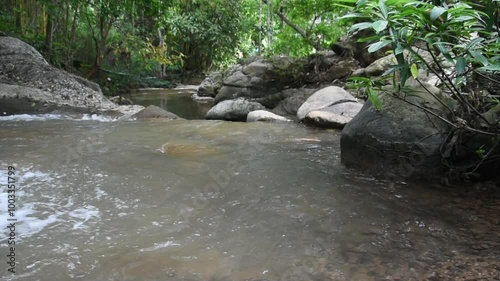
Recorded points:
(261, 80)
(335, 116)
(347, 109)
(155, 112)
(324, 98)
(264, 115)
(326, 119)
(291, 101)
(399, 141)
(28, 84)
(233, 110)
(211, 85)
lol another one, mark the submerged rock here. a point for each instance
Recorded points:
(155, 112)
(233, 110)
(28, 84)
(264, 115)
(187, 150)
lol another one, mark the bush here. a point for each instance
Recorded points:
(459, 44)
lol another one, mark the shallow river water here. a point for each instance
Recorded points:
(102, 199)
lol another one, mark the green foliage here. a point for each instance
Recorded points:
(444, 32)
(318, 19)
(198, 35)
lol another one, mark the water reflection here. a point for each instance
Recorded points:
(177, 101)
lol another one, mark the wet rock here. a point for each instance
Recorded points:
(264, 115)
(201, 99)
(30, 85)
(120, 100)
(326, 119)
(324, 98)
(155, 112)
(233, 110)
(127, 110)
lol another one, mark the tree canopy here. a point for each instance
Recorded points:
(137, 36)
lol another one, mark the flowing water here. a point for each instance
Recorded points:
(103, 199)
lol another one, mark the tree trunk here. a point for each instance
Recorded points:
(314, 42)
(49, 35)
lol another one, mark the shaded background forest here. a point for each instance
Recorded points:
(135, 37)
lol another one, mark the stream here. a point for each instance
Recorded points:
(110, 199)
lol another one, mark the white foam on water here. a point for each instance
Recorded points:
(27, 224)
(159, 246)
(83, 215)
(34, 176)
(96, 117)
(33, 117)
(46, 117)
(37, 208)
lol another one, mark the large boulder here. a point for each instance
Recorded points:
(292, 100)
(335, 116)
(398, 141)
(155, 112)
(326, 119)
(211, 85)
(233, 110)
(28, 84)
(324, 98)
(264, 115)
(262, 80)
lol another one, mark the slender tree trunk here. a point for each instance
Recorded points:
(100, 43)
(49, 36)
(161, 49)
(260, 27)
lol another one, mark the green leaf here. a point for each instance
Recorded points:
(479, 57)
(437, 12)
(383, 8)
(414, 71)
(390, 70)
(378, 45)
(472, 43)
(490, 68)
(380, 25)
(351, 15)
(460, 66)
(445, 52)
(399, 49)
(374, 99)
(360, 26)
